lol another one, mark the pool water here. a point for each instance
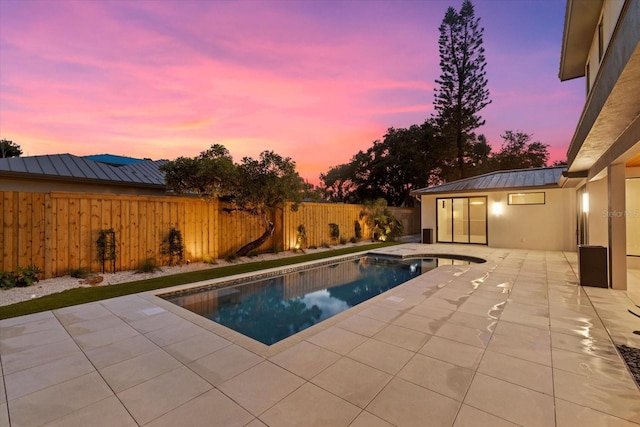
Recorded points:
(274, 308)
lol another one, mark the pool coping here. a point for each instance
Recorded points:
(265, 350)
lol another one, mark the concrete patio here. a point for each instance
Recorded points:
(511, 342)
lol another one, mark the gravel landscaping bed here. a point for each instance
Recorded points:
(59, 284)
(631, 356)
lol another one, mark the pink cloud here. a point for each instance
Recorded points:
(313, 81)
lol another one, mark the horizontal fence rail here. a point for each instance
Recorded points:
(58, 231)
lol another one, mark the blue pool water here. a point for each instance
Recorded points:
(274, 308)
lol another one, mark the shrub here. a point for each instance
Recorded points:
(343, 240)
(22, 277)
(79, 273)
(7, 279)
(173, 246)
(353, 240)
(231, 258)
(324, 245)
(149, 265)
(357, 229)
(334, 231)
(383, 224)
(301, 238)
(208, 259)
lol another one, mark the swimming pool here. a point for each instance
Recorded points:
(270, 309)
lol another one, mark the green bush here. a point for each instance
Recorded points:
(231, 258)
(173, 245)
(343, 240)
(149, 265)
(7, 279)
(79, 273)
(301, 239)
(208, 259)
(334, 231)
(383, 224)
(22, 277)
(357, 229)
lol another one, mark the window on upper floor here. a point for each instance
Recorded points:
(600, 40)
(588, 76)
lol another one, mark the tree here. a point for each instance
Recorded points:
(381, 221)
(9, 149)
(210, 175)
(406, 159)
(461, 90)
(337, 183)
(518, 152)
(252, 186)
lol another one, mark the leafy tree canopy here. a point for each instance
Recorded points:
(406, 159)
(518, 152)
(253, 186)
(9, 149)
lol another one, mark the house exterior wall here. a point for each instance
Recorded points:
(632, 216)
(551, 226)
(52, 185)
(598, 207)
(608, 132)
(611, 10)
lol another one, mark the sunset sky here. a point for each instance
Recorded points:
(314, 80)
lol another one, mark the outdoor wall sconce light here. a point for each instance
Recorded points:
(585, 202)
(497, 208)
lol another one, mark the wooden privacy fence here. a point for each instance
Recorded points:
(58, 231)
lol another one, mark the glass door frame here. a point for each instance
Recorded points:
(468, 220)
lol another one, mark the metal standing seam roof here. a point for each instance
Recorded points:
(518, 178)
(68, 166)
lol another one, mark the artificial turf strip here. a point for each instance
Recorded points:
(84, 295)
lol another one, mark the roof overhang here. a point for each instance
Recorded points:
(580, 21)
(610, 121)
(418, 193)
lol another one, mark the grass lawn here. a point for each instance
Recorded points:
(84, 295)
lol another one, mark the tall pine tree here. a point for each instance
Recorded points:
(462, 87)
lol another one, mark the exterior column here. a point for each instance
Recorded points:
(617, 227)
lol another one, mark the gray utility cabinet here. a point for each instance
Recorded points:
(592, 262)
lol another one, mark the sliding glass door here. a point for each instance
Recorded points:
(462, 220)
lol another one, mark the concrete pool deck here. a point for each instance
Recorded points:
(514, 341)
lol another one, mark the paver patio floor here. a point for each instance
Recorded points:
(511, 342)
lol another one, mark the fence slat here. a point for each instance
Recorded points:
(58, 231)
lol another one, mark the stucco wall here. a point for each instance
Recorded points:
(551, 226)
(611, 10)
